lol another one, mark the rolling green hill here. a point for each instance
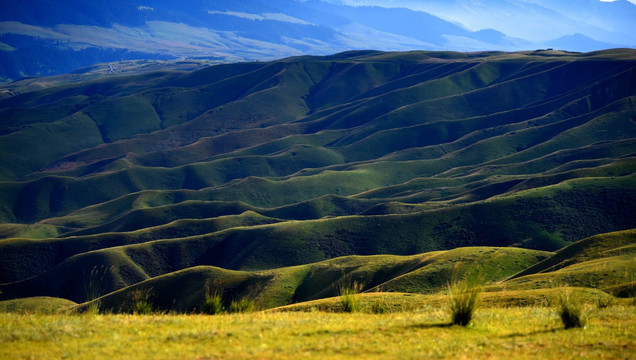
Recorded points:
(602, 264)
(259, 174)
(425, 273)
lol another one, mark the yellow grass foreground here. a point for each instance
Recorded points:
(522, 333)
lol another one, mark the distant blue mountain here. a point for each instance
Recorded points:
(43, 37)
(578, 42)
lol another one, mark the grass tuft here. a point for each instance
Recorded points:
(95, 287)
(379, 307)
(141, 303)
(603, 302)
(570, 309)
(463, 299)
(242, 305)
(348, 299)
(213, 303)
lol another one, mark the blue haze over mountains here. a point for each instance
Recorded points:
(45, 37)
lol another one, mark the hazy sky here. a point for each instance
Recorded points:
(393, 2)
(519, 21)
(631, 1)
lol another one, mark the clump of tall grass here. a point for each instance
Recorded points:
(245, 301)
(570, 309)
(141, 302)
(348, 299)
(463, 299)
(603, 302)
(242, 305)
(213, 303)
(379, 307)
(94, 288)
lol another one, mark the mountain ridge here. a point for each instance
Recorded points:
(51, 38)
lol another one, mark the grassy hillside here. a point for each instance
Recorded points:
(601, 267)
(509, 277)
(38, 305)
(245, 169)
(129, 269)
(604, 261)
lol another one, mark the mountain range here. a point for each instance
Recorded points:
(280, 175)
(47, 37)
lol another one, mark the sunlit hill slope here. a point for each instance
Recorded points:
(247, 167)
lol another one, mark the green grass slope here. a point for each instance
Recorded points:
(512, 276)
(604, 261)
(23, 258)
(545, 218)
(278, 287)
(260, 166)
(36, 305)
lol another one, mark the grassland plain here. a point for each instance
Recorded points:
(522, 332)
(258, 174)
